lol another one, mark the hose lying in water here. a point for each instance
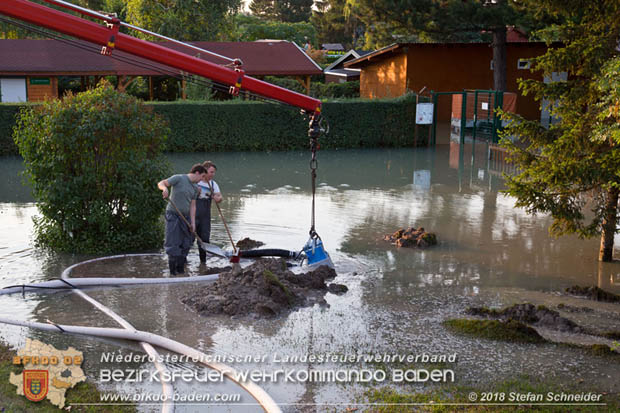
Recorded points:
(64, 284)
(258, 393)
(274, 252)
(168, 406)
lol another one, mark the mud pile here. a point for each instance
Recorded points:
(529, 314)
(412, 237)
(593, 293)
(264, 289)
(248, 244)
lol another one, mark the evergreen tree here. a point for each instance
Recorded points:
(571, 169)
(293, 11)
(264, 9)
(332, 24)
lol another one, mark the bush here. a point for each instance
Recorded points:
(7, 121)
(92, 160)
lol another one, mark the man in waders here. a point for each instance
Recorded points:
(203, 206)
(179, 237)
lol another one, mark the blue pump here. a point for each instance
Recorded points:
(316, 254)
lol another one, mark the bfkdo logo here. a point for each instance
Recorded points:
(36, 384)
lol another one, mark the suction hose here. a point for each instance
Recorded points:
(274, 252)
(142, 336)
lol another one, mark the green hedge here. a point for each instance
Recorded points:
(253, 126)
(7, 121)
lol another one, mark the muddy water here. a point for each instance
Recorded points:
(489, 253)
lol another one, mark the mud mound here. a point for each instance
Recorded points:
(248, 244)
(412, 237)
(530, 314)
(264, 289)
(593, 293)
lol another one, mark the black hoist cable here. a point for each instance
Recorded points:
(314, 132)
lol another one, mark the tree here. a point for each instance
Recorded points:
(332, 25)
(572, 169)
(250, 28)
(442, 20)
(263, 9)
(293, 11)
(185, 19)
(92, 160)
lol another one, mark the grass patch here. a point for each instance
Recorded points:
(271, 278)
(389, 400)
(510, 330)
(85, 392)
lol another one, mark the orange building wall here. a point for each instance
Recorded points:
(452, 68)
(384, 78)
(449, 68)
(37, 93)
(526, 105)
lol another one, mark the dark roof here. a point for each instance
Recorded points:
(348, 56)
(25, 56)
(332, 46)
(396, 48)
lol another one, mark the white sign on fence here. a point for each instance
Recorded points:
(424, 114)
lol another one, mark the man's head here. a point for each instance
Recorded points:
(197, 173)
(210, 168)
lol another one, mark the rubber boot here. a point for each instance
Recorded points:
(180, 260)
(203, 255)
(172, 264)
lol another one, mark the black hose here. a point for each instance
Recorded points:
(268, 253)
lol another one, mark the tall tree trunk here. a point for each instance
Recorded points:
(499, 58)
(609, 226)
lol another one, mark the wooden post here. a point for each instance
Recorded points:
(415, 143)
(151, 88)
(183, 91)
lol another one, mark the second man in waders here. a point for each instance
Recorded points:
(209, 190)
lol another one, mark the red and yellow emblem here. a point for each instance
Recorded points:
(35, 384)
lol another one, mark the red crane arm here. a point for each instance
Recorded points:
(86, 30)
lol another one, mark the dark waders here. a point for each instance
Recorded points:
(203, 224)
(177, 242)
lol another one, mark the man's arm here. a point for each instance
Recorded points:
(192, 214)
(163, 186)
(217, 197)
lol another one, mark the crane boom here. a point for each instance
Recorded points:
(108, 36)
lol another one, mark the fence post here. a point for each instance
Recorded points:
(463, 116)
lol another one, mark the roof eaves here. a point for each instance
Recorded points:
(341, 58)
(386, 49)
(308, 57)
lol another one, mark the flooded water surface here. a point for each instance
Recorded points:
(489, 253)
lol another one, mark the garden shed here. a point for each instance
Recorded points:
(445, 67)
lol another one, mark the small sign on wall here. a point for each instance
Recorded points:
(424, 114)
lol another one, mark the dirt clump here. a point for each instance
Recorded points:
(530, 314)
(412, 237)
(264, 289)
(593, 293)
(248, 244)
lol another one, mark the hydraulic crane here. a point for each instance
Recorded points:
(109, 37)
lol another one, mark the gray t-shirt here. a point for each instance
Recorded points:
(183, 191)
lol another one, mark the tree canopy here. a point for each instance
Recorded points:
(250, 28)
(188, 20)
(333, 26)
(571, 169)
